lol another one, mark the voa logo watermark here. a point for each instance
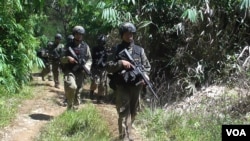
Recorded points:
(239, 132)
(236, 132)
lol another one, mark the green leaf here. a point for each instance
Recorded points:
(18, 5)
(144, 24)
(101, 5)
(133, 1)
(245, 4)
(190, 14)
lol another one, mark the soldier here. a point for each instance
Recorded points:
(126, 90)
(99, 57)
(73, 72)
(43, 53)
(70, 38)
(56, 52)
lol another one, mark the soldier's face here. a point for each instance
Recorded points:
(127, 37)
(78, 37)
(57, 40)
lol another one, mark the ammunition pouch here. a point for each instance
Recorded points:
(76, 68)
(123, 78)
(131, 77)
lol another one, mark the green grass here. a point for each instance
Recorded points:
(9, 104)
(158, 125)
(161, 126)
(85, 124)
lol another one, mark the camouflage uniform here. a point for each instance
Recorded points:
(127, 93)
(43, 53)
(99, 57)
(55, 53)
(73, 78)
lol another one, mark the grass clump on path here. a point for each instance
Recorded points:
(85, 124)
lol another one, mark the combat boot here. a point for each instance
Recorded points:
(77, 100)
(57, 86)
(91, 94)
(65, 103)
(100, 99)
(50, 78)
(43, 78)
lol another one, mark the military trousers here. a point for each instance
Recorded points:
(47, 70)
(127, 102)
(56, 71)
(98, 82)
(73, 83)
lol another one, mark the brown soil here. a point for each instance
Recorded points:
(33, 114)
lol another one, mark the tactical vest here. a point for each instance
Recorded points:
(80, 51)
(136, 53)
(128, 77)
(99, 55)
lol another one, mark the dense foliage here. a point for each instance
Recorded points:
(189, 43)
(17, 44)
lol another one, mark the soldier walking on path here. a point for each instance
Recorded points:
(99, 58)
(43, 53)
(74, 68)
(56, 52)
(124, 80)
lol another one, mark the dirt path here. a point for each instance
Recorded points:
(33, 114)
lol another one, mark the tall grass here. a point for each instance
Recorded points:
(200, 121)
(83, 125)
(159, 125)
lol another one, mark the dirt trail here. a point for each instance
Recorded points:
(33, 114)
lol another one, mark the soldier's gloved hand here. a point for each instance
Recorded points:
(126, 64)
(147, 77)
(72, 60)
(141, 82)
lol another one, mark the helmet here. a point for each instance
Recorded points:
(70, 37)
(78, 29)
(50, 44)
(127, 27)
(58, 36)
(101, 39)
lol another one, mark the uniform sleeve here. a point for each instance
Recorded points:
(64, 54)
(145, 63)
(113, 65)
(89, 59)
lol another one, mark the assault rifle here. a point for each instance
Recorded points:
(80, 63)
(102, 60)
(124, 54)
(55, 55)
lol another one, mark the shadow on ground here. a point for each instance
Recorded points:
(39, 116)
(40, 84)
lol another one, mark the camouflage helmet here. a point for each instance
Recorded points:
(50, 44)
(127, 27)
(58, 36)
(70, 37)
(78, 29)
(101, 39)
